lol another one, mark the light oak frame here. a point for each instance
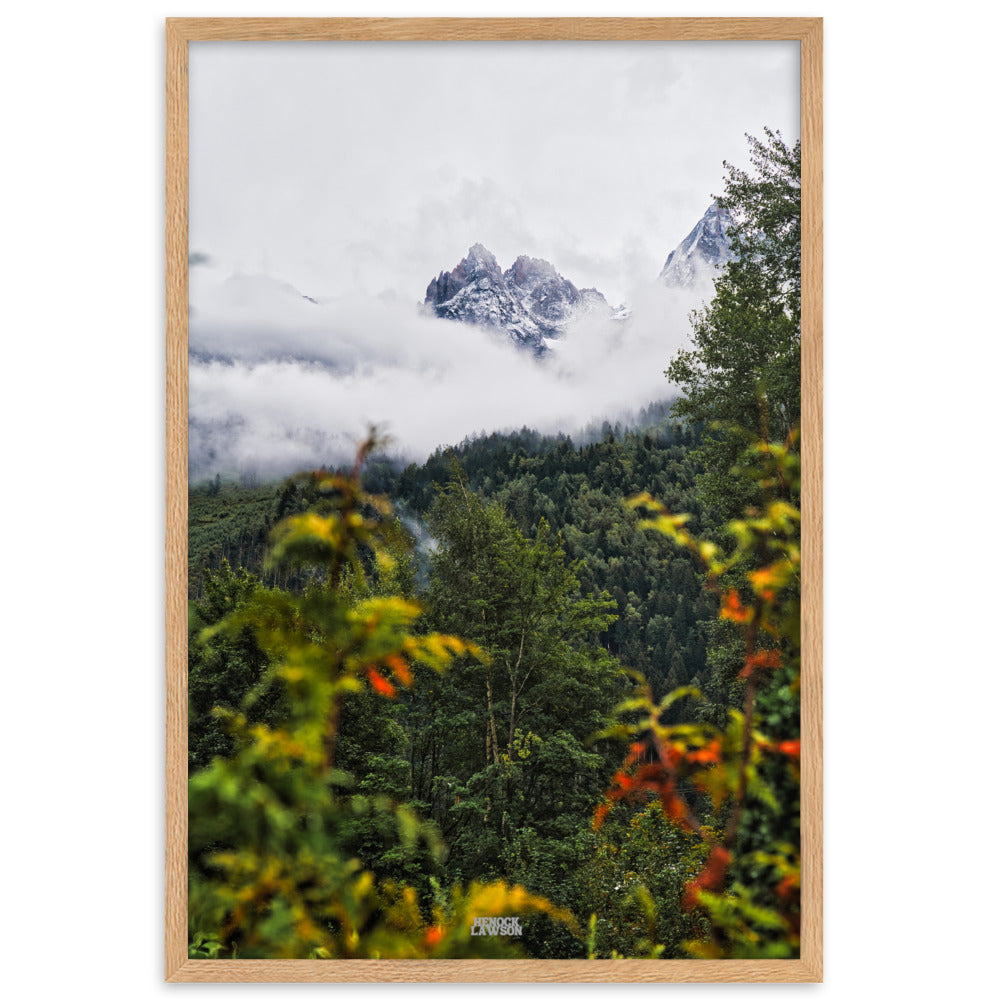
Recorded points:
(179, 31)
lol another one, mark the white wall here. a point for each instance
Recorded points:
(910, 361)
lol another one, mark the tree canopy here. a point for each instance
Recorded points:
(741, 376)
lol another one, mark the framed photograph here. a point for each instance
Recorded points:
(494, 500)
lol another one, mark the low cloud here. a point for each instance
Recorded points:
(280, 383)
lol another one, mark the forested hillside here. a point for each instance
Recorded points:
(578, 491)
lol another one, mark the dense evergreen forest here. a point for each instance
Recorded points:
(660, 604)
(529, 678)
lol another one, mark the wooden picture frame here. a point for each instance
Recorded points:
(181, 31)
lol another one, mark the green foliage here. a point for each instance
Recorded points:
(498, 750)
(523, 817)
(271, 874)
(632, 879)
(749, 884)
(662, 611)
(741, 376)
(227, 523)
(225, 668)
(514, 751)
(741, 384)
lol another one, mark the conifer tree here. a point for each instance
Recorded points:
(741, 376)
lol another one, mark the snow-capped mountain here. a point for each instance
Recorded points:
(701, 253)
(531, 301)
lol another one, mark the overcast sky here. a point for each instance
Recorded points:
(372, 166)
(356, 172)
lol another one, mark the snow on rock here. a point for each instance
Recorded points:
(701, 253)
(531, 301)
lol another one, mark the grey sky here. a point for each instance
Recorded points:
(356, 172)
(366, 167)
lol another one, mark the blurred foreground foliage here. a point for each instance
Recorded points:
(748, 885)
(270, 875)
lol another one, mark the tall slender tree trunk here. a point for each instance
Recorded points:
(515, 675)
(491, 725)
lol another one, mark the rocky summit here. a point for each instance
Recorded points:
(530, 301)
(701, 253)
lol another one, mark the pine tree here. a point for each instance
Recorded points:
(741, 377)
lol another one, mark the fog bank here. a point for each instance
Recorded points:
(279, 382)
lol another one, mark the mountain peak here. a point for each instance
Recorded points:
(478, 254)
(527, 270)
(531, 301)
(478, 265)
(702, 252)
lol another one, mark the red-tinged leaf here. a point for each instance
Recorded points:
(788, 888)
(793, 748)
(762, 658)
(677, 812)
(433, 936)
(625, 782)
(710, 879)
(733, 609)
(651, 774)
(707, 755)
(788, 891)
(600, 813)
(380, 684)
(400, 668)
(635, 753)
(673, 807)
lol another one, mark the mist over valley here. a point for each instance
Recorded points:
(280, 381)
